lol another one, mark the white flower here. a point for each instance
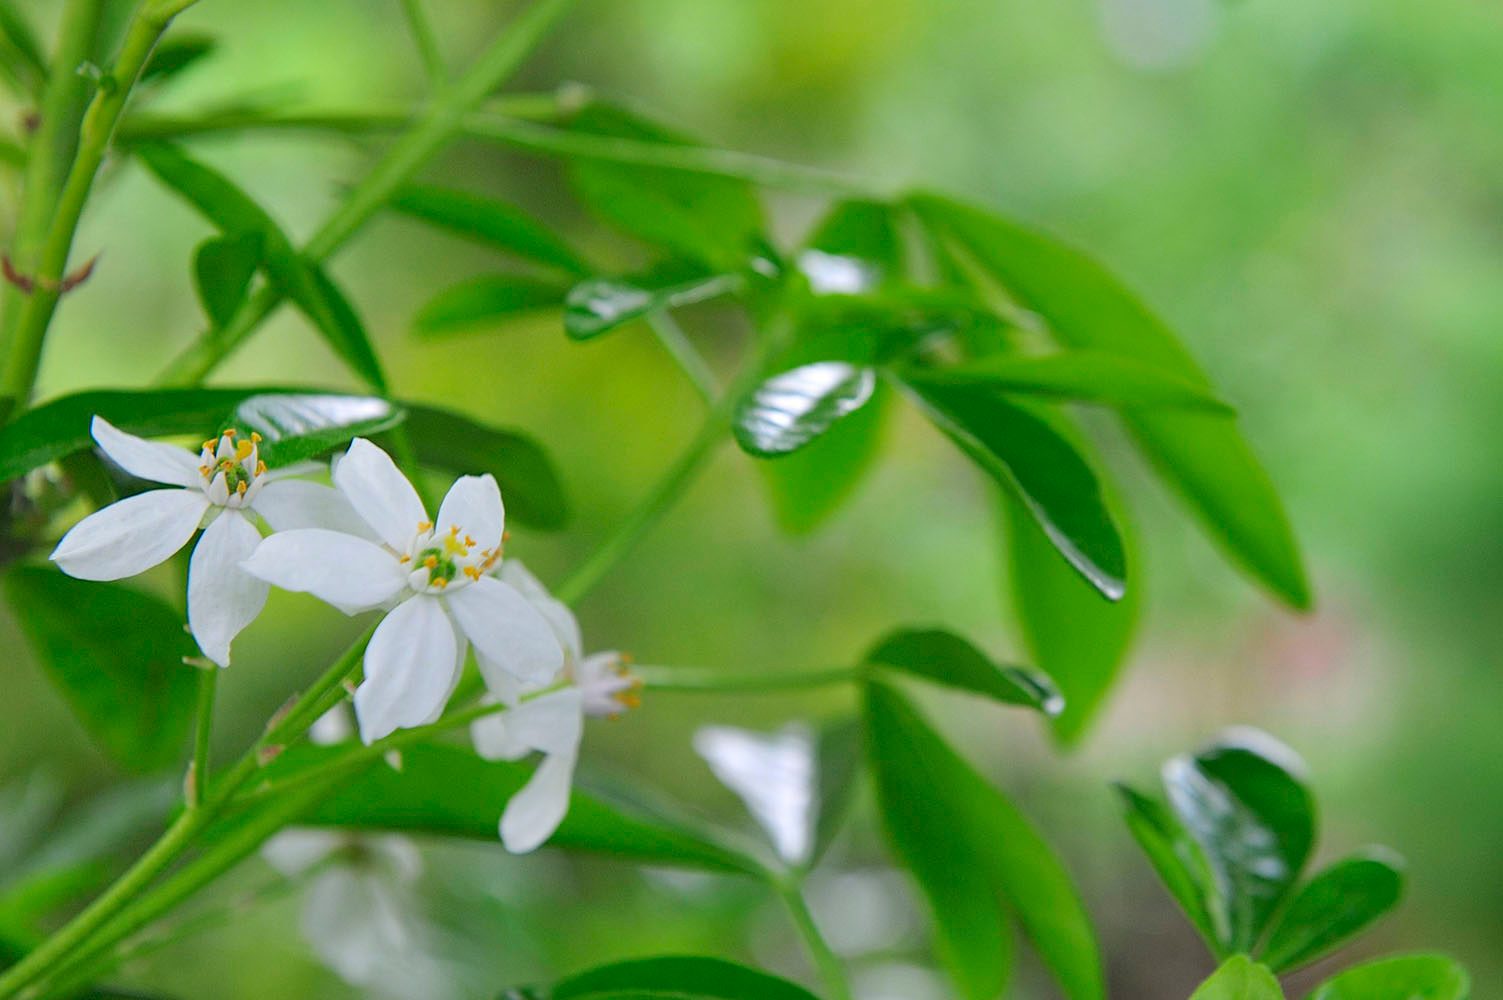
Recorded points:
(432, 575)
(774, 774)
(215, 489)
(551, 723)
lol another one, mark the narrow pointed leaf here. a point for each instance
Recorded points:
(24, 53)
(1335, 906)
(176, 53)
(116, 655)
(600, 305)
(689, 978)
(486, 300)
(1407, 977)
(1085, 376)
(945, 658)
(790, 410)
(1203, 456)
(1175, 857)
(491, 222)
(837, 761)
(222, 272)
(1240, 978)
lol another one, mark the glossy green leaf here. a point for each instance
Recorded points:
(1406, 977)
(491, 222)
(1085, 376)
(1073, 635)
(1038, 467)
(222, 272)
(963, 838)
(1204, 456)
(599, 305)
(685, 977)
(176, 53)
(1240, 978)
(486, 301)
(854, 248)
(1242, 801)
(117, 656)
(715, 220)
(223, 203)
(793, 408)
(298, 426)
(453, 443)
(448, 791)
(1177, 859)
(946, 658)
(808, 486)
(1333, 907)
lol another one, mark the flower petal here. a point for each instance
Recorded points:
(355, 925)
(552, 723)
(296, 849)
(474, 504)
(509, 634)
(557, 613)
(536, 811)
(161, 463)
(348, 572)
(409, 668)
(130, 536)
(380, 494)
(289, 504)
(222, 597)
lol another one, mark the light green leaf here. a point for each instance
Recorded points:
(1407, 977)
(176, 53)
(222, 272)
(1177, 859)
(677, 978)
(599, 305)
(117, 656)
(809, 485)
(945, 658)
(21, 52)
(966, 840)
(1240, 978)
(486, 301)
(491, 222)
(854, 248)
(837, 761)
(1085, 376)
(1336, 905)
(793, 408)
(1203, 456)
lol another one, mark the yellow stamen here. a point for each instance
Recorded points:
(425, 526)
(243, 450)
(241, 486)
(230, 433)
(431, 562)
(405, 559)
(209, 444)
(255, 438)
(473, 572)
(260, 468)
(440, 583)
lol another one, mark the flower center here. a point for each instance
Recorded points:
(442, 560)
(231, 467)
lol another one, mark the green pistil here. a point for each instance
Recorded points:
(443, 567)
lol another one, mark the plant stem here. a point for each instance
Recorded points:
(436, 124)
(198, 769)
(826, 962)
(427, 44)
(684, 354)
(696, 680)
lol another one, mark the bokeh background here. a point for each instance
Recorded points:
(1312, 194)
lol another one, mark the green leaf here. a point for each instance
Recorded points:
(672, 978)
(223, 203)
(491, 222)
(23, 54)
(60, 427)
(222, 272)
(1086, 376)
(1038, 467)
(485, 301)
(964, 840)
(809, 485)
(715, 220)
(1240, 978)
(1203, 456)
(1336, 905)
(599, 305)
(453, 443)
(945, 658)
(854, 248)
(1407, 977)
(837, 760)
(448, 791)
(1242, 802)
(793, 408)
(117, 656)
(1176, 858)
(176, 53)
(1078, 639)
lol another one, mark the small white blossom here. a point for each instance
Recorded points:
(215, 489)
(431, 575)
(550, 723)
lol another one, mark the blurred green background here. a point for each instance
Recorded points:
(1312, 194)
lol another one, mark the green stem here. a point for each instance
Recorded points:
(427, 44)
(684, 354)
(198, 769)
(694, 680)
(436, 125)
(826, 962)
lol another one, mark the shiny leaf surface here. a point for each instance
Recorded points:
(945, 658)
(791, 409)
(599, 305)
(1177, 859)
(1407, 977)
(1335, 906)
(689, 978)
(1084, 376)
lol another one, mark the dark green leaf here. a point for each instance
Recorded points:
(599, 305)
(837, 758)
(176, 53)
(1407, 977)
(1204, 456)
(1040, 468)
(489, 221)
(689, 978)
(117, 655)
(1177, 859)
(945, 658)
(216, 197)
(453, 443)
(1336, 905)
(791, 409)
(855, 248)
(810, 484)
(299, 426)
(222, 271)
(485, 301)
(448, 791)
(1241, 801)
(316, 295)
(1074, 636)
(942, 815)
(1088, 376)
(1240, 978)
(22, 52)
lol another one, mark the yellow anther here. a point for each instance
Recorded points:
(229, 433)
(255, 438)
(260, 468)
(203, 470)
(505, 536)
(243, 450)
(473, 572)
(439, 582)
(405, 559)
(209, 444)
(240, 487)
(425, 526)
(431, 562)
(469, 542)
